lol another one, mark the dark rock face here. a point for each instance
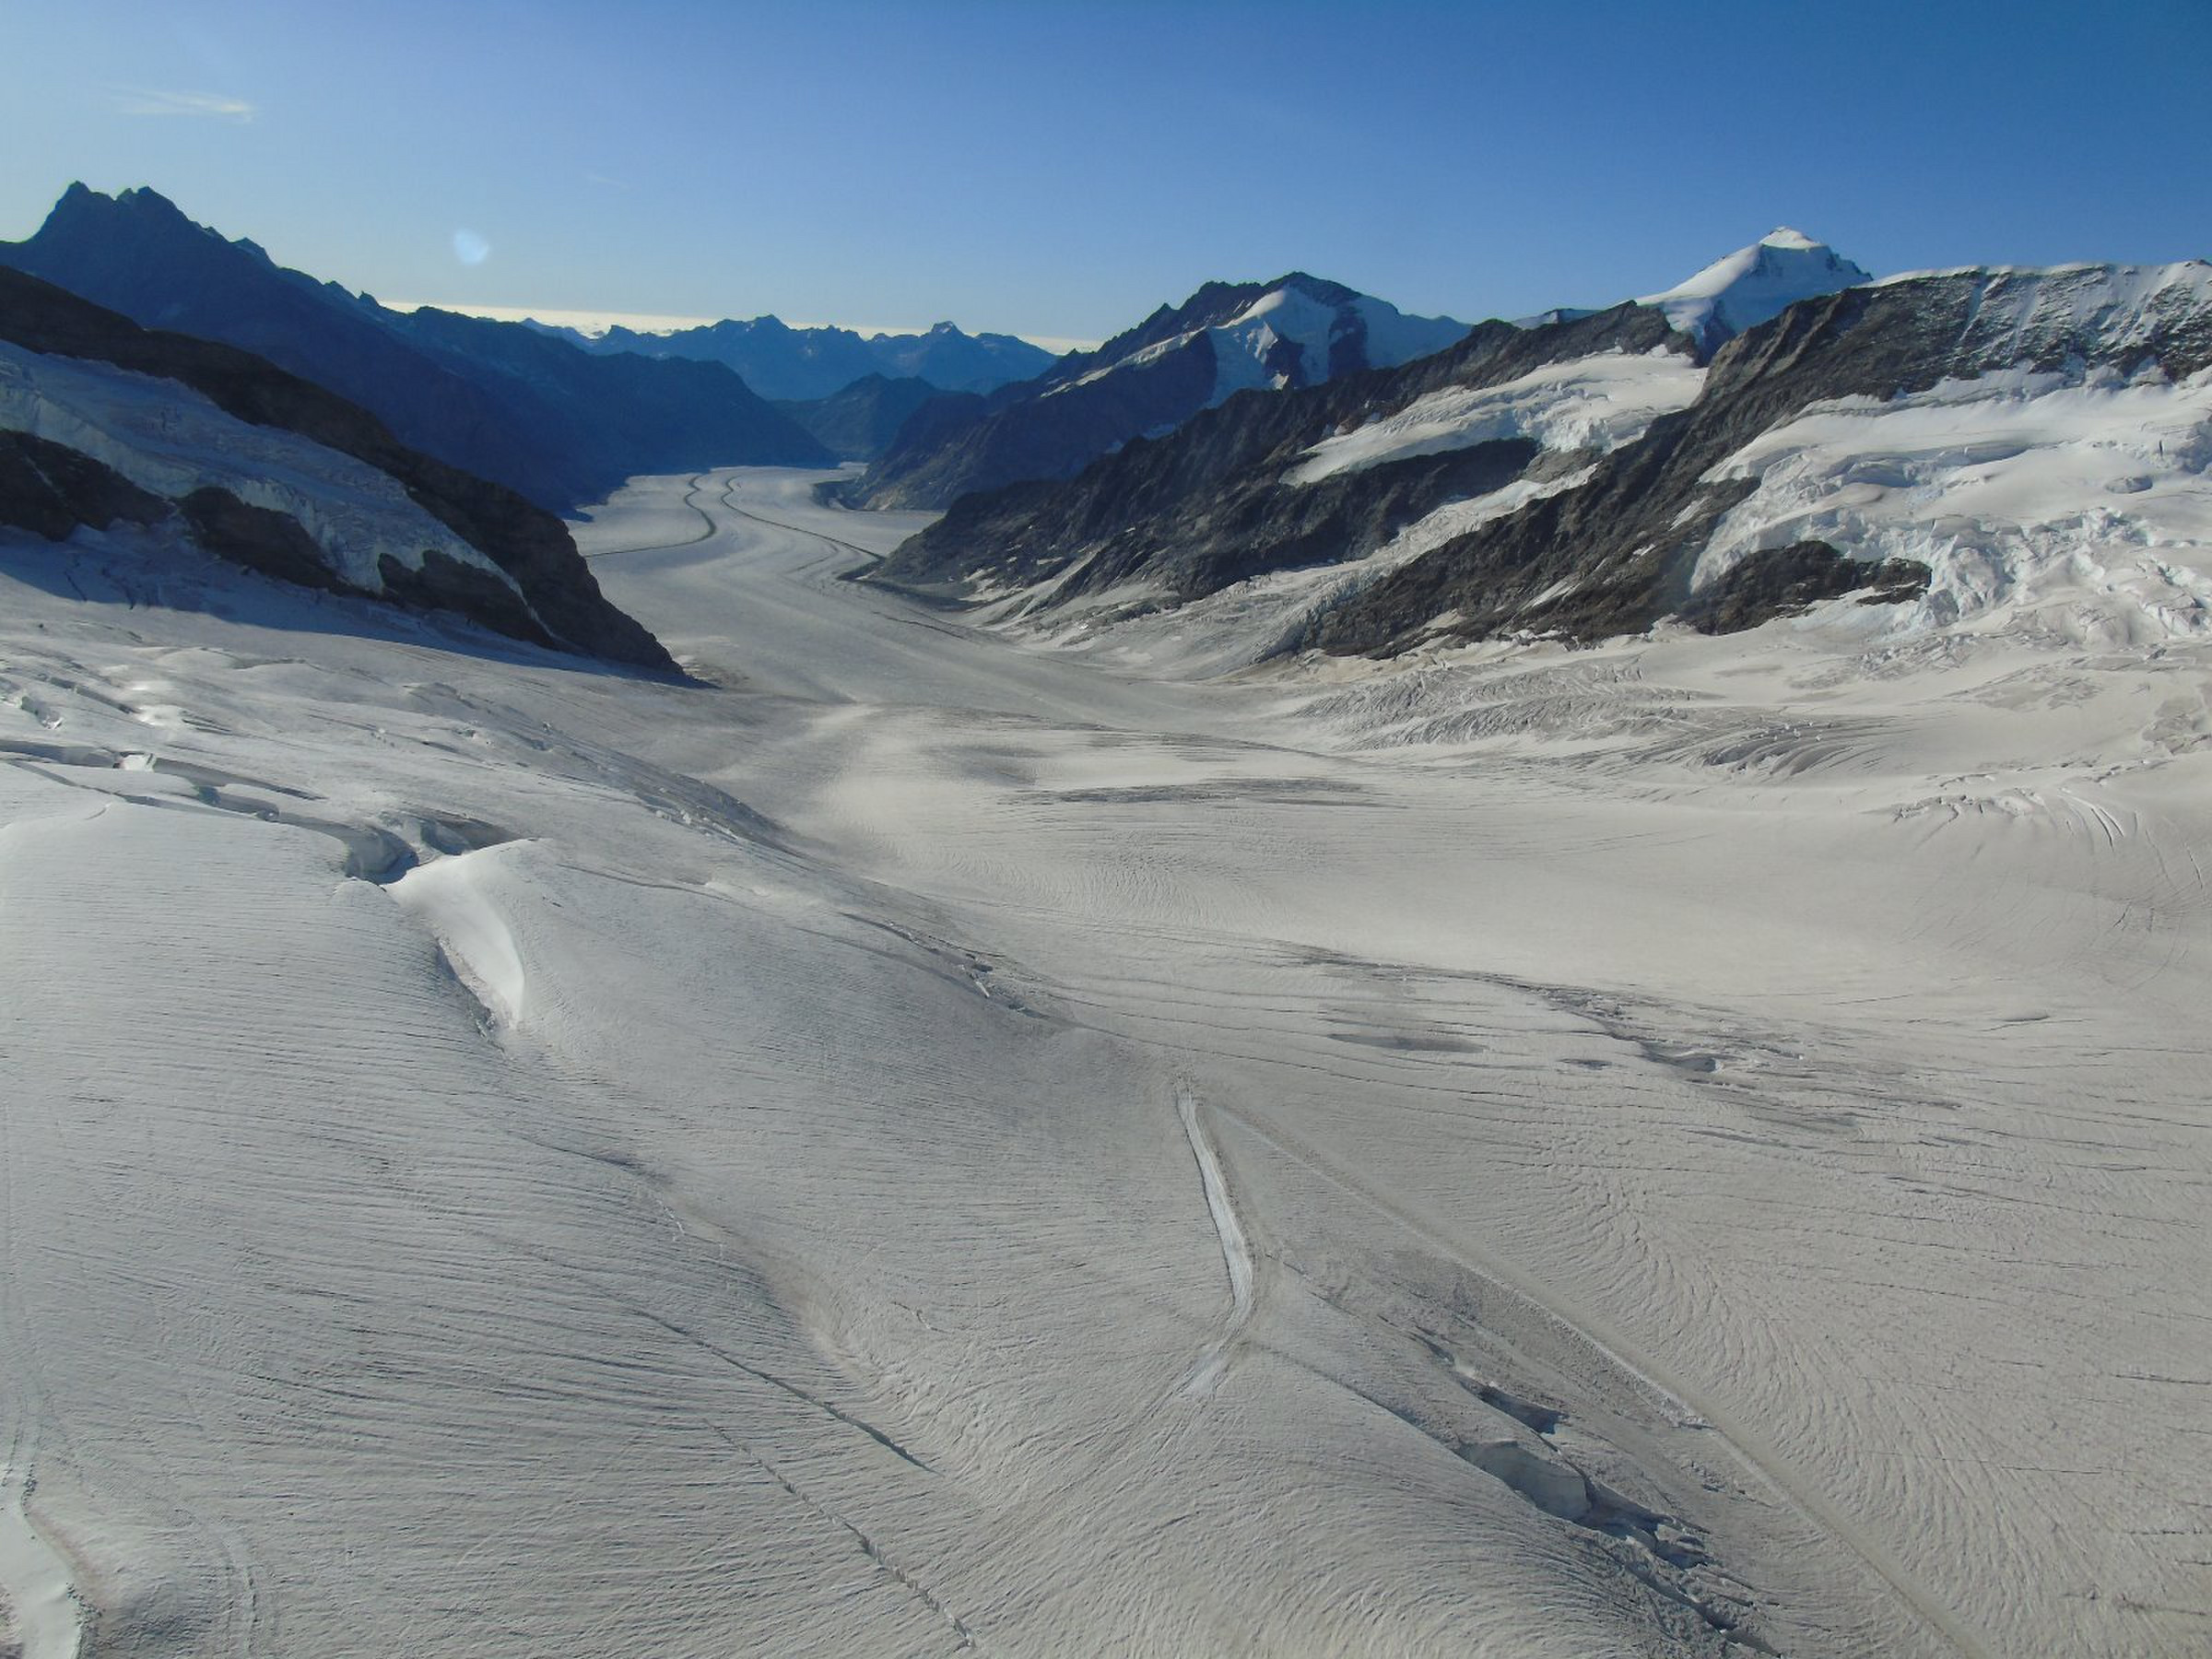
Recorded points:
(1045, 437)
(525, 540)
(260, 538)
(276, 544)
(621, 413)
(445, 583)
(1087, 404)
(500, 400)
(858, 423)
(49, 490)
(1782, 580)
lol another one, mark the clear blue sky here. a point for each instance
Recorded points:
(1058, 170)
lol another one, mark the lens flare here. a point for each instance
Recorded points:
(470, 249)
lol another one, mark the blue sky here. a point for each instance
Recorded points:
(1058, 170)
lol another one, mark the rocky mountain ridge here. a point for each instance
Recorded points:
(104, 422)
(860, 422)
(1594, 474)
(500, 400)
(1294, 332)
(785, 364)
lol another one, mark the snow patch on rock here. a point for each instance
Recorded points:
(1138, 626)
(1595, 403)
(170, 440)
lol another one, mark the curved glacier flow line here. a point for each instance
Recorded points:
(691, 501)
(823, 535)
(1236, 1252)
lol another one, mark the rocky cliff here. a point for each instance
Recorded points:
(102, 420)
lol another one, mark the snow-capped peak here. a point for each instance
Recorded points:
(1289, 335)
(1295, 331)
(1755, 283)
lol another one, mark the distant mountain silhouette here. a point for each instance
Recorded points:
(796, 365)
(503, 401)
(859, 423)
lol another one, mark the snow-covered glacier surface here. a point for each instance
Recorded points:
(924, 1143)
(2094, 491)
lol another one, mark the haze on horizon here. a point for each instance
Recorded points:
(1059, 171)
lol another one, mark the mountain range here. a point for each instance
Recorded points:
(1773, 432)
(1295, 331)
(1361, 479)
(794, 365)
(500, 400)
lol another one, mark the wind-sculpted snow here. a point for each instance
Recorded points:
(915, 1141)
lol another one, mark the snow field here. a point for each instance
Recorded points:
(1596, 403)
(2087, 497)
(1694, 1133)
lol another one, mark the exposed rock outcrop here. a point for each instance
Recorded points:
(51, 489)
(547, 593)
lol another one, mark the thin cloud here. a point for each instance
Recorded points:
(207, 106)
